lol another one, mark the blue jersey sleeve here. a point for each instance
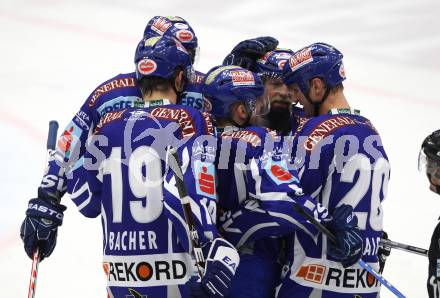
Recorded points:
(275, 190)
(117, 93)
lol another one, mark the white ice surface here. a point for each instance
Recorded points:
(53, 53)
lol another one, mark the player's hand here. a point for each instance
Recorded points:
(383, 253)
(348, 248)
(246, 52)
(40, 226)
(221, 262)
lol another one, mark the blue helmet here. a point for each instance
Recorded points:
(272, 63)
(317, 60)
(225, 85)
(173, 26)
(160, 56)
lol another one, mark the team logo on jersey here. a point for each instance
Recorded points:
(146, 66)
(69, 138)
(184, 35)
(114, 84)
(205, 179)
(160, 25)
(242, 78)
(300, 59)
(279, 173)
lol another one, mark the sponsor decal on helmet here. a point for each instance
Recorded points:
(342, 71)
(264, 59)
(160, 25)
(180, 47)
(214, 73)
(181, 26)
(184, 35)
(301, 58)
(175, 19)
(242, 78)
(151, 41)
(281, 64)
(146, 66)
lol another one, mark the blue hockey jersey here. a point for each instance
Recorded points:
(126, 179)
(117, 93)
(257, 194)
(340, 160)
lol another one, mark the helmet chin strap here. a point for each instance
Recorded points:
(245, 124)
(317, 104)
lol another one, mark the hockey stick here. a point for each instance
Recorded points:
(51, 140)
(364, 265)
(186, 204)
(404, 247)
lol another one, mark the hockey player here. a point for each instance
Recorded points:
(146, 245)
(262, 56)
(180, 29)
(429, 162)
(257, 193)
(341, 160)
(119, 92)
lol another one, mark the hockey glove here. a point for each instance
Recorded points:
(348, 248)
(246, 53)
(382, 253)
(221, 262)
(40, 226)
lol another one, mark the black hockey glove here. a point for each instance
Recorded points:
(382, 253)
(40, 226)
(246, 52)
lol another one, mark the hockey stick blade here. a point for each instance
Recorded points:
(404, 247)
(364, 265)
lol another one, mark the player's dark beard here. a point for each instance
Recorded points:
(279, 120)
